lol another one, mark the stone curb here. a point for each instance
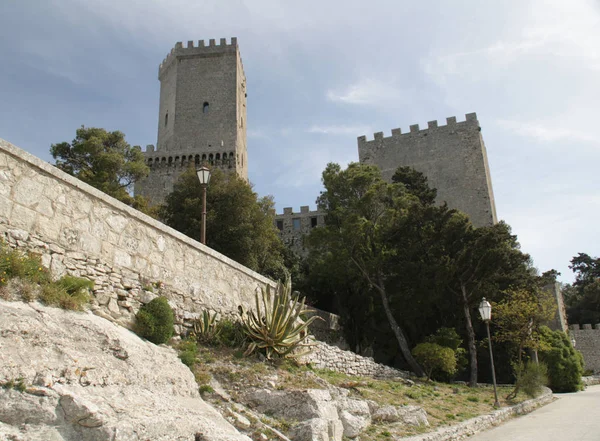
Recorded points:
(483, 422)
(591, 380)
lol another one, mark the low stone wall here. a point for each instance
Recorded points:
(474, 425)
(587, 341)
(591, 380)
(325, 356)
(81, 231)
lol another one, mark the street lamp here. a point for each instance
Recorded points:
(485, 310)
(204, 177)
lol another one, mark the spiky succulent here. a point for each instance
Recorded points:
(275, 327)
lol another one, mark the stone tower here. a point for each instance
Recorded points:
(202, 115)
(452, 157)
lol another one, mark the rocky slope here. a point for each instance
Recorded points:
(77, 377)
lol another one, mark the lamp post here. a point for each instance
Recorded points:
(204, 177)
(485, 309)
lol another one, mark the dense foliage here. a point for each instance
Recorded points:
(435, 358)
(565, 364)
(530, 377)
(154, 321)
(104, 160)
(239, 224)
(583, 297)
(397, 267)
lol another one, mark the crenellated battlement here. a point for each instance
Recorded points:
(304, 210)
(198, 49)
(470, 118)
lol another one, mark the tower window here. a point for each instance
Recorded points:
(313, 222)
(280, 225)
(166, 119)
(296, 223)
(205, 107)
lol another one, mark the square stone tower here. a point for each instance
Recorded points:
(202, 115)
(453, 157)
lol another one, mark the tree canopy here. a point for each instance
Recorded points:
(583, 297)
(104, 160)
(239, 224)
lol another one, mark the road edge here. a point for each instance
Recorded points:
(478, 424)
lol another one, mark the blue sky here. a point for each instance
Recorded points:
(322, 73)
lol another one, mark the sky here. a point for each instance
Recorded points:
(321, 73)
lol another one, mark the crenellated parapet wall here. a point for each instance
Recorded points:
(201, 48)
(587, 341)
(452, 157)
(294, 226)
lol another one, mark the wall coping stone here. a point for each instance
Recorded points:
(22, 155)
(483, 422)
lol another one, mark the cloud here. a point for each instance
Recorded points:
(544, 132)
(367, 91)
(339, 130)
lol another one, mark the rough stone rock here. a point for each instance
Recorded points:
(315, 408)
(412, 415)
(355, 416)
(95, 381)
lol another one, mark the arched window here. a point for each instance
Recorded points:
(205, 107)
(197, 160)
(218, 156)
(204, 157)
(166, 119)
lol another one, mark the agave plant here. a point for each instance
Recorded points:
(275, 326)
(205, 328)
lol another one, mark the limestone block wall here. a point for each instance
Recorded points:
(587, 341)
(81, 231)
(453, 157)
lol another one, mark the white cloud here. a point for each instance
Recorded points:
(545, 132)
(367, 91)
(339, 130)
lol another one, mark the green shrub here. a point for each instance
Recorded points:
(188, 352)
(231, 333)
(154, 321)
(274, 327)
(68, 293)
(531, 377)
(433, 357)
(449, 338)
(13, 263)
(565, 364)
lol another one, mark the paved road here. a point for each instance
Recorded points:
(572, 417)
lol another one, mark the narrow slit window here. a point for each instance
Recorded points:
(205, 107)
(166, 119)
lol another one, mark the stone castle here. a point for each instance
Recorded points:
(202, 116)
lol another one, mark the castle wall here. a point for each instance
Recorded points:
(293, 227)
(587, 341)
(81, 231)
(452, 157)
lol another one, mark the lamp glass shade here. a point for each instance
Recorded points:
(203, 175)
(485, 309)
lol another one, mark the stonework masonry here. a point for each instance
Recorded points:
(293, 227)
(587, 341)
(202, 115)
(80, 231)
(452, 157)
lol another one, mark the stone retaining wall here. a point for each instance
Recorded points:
(587, 341)
(474, 425)
(325, 356)
(132, 258)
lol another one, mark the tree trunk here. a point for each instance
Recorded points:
(402, 342)
(470, 337)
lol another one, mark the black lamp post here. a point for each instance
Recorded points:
(204, 177)
(485, 309)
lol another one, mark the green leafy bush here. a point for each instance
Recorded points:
(188, 352)
(154, 321)
(68, 293)
(530, 378)
(274, 327)
(565, 364)
(433, 357)
(14, 263)
(231, 333)
(449, 338)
